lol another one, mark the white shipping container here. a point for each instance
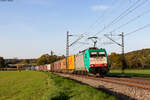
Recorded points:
(49, 67)
(80, 62)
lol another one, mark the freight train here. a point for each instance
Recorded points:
(92, 60)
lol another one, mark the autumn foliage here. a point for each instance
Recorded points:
(139, 59)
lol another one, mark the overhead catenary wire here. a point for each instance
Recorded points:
(139, 29)
(76, 40)
(79, 46)
(135, 18)
(133, 9)
(100, 17)
(123, 14)
(136, 5)
(118, 17)
(104, 19)
(91, 26)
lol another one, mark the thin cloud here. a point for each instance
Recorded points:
(100, 7)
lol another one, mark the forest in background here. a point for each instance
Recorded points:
(139, 59)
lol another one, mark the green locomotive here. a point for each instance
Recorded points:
(92, 60)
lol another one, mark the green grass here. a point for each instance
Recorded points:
(132, 72)
(30, 85)
(64, 89)
(25, 85)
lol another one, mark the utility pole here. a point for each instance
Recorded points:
(121, 45)
(124, 65)
(122, 42)
(51, 53)
(67, 48)
(67, 45)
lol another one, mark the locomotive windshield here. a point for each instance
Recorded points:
(97, 54)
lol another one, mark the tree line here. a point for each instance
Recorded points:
(47, 59)
(139, 59)
(44, 59)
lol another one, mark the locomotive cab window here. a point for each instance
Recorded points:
(97, 54)
(101, 54)
(93, 54)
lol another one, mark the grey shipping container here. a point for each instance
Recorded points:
(80, 62)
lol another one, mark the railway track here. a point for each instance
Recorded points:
(131, 77)
(127, 82)
(141, 78)
(131, 82)
(125, 88)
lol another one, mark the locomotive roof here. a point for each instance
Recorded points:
(91, 48)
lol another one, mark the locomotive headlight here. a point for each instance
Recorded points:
(105, 64)
(92, 65)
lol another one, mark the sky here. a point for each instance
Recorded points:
(30, 28)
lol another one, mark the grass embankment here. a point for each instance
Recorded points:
(64, 89)
(30, 85)
(132, 72)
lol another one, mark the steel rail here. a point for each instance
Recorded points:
(110, 80)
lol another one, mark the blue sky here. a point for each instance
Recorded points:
(30, 28)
